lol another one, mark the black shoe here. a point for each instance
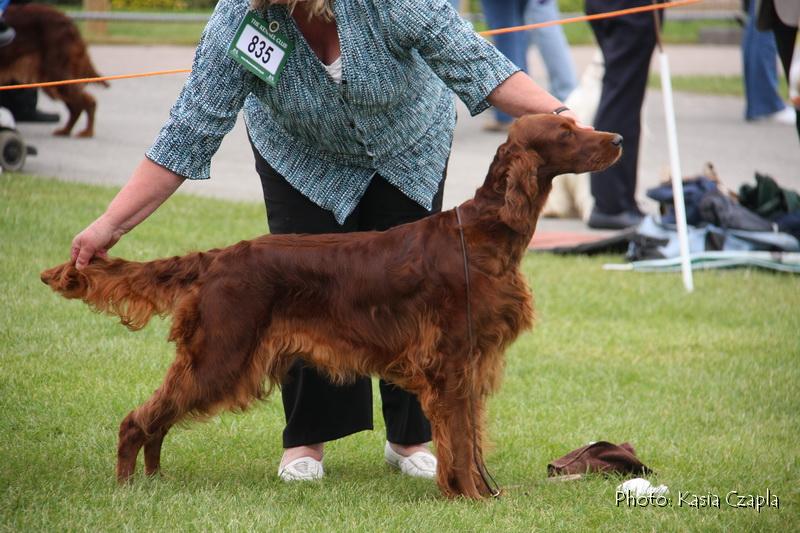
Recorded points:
(37, 116)
(626, 219)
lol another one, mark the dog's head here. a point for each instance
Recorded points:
(562, 147)
(539, 148)
(66, 280)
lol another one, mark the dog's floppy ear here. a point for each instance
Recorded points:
(521, 190)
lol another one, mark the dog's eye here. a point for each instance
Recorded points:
(566, 134)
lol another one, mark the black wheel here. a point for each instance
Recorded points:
(12, 151)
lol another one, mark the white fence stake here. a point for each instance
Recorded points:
(675, 171)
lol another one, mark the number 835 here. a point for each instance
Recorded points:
(259, 48)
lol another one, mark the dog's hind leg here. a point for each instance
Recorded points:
(216, 369)
(148, 424)
(152, 452)
(77, 100)
(184, 392)
(74, 113)
(131, 440)
(89, 105)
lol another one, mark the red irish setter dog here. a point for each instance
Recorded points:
(391, 303)
(49, 47)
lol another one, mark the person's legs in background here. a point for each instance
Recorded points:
(553, 47)
(759, 54)
(502, 14)
(785, 37)
(7, 33)
(627, 44)
(22, 104)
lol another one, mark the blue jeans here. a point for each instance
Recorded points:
(501, 14)
(759, 54)
(553, 47)
(551, 41)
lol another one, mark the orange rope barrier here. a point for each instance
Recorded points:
(585, 18)
(487, 33)
(94, 80)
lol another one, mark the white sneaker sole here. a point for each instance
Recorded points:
(302, 469)
(418, 464)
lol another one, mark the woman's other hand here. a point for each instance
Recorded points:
(149, 186)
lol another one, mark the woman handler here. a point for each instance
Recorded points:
(351, 120)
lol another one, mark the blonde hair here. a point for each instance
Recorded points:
(315, 8)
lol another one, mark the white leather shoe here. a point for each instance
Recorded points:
(418, 464)
(301, 469)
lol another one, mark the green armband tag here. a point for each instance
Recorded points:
(260, 47)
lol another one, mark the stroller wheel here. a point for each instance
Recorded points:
(12, 151)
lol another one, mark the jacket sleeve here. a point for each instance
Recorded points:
(210, 100)
(471, 66)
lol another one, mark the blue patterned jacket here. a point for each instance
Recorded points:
(393, 113)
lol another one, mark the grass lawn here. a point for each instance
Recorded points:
(577, 33)
(674, 31)
(720, 85)
(152, 33)
(703, 385)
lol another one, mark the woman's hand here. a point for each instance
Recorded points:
(94, 241)
(149, 186)
(519, 95)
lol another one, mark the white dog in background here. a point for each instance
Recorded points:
(571, 196)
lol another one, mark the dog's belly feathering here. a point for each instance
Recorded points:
(24, 69)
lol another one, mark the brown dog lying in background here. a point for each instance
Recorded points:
(398, 304)
(49, 47)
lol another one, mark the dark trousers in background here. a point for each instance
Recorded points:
(627, 44)
(317, 410)
(785, 37)
(21, 102)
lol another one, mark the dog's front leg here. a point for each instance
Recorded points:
(455, 417)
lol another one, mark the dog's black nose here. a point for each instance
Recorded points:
(617, 140)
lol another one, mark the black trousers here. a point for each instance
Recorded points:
(21, 102)
(627, 44)
(317, 410)
(785, 37)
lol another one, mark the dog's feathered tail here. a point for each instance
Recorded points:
(131, 290)
(87, 69)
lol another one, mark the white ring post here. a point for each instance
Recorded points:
(675, 171)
